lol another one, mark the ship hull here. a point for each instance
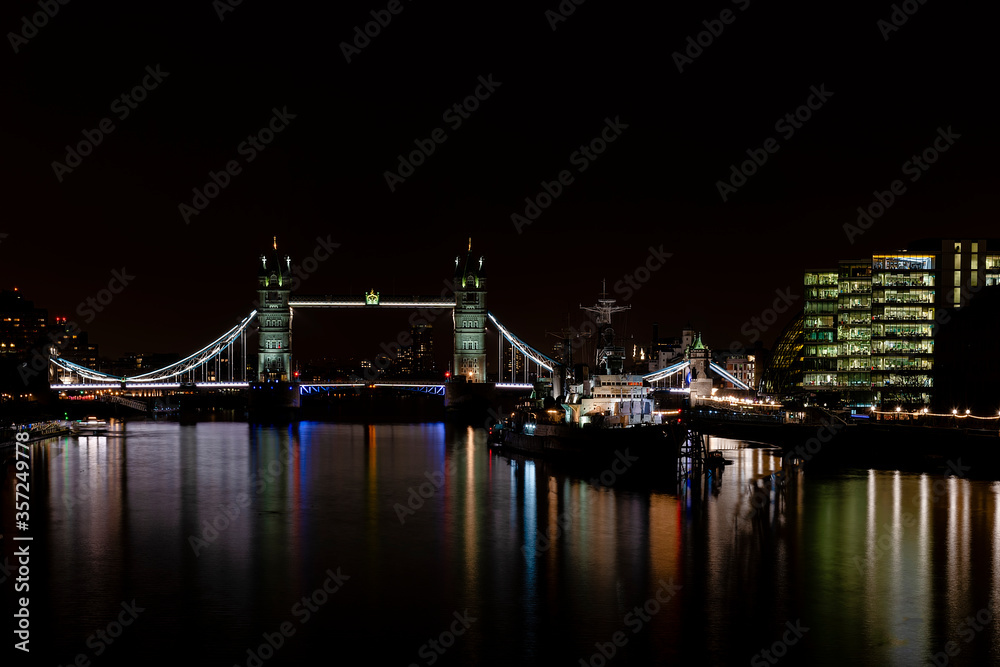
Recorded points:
(654, 448)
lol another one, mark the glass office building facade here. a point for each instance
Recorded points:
(869, 325)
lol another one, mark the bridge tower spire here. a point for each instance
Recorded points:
(274, 317)
(470, 317)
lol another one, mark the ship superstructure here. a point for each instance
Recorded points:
(610, 398)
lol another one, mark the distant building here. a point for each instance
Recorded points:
(782, 373)
(75, 345)
(742, 367)
(422, 350)
(870, 326)
(136, 364)
(417, 359)
(22, 326)
(512, 366)
(665, 352)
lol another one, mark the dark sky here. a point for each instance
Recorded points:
(323, 175)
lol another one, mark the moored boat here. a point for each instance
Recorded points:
(598, 416)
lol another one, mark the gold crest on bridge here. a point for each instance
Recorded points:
(371, 298)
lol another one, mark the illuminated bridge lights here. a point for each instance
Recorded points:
(433, 389)
(722, 372)
(168, 377)
(341, 301)
(189, 363)
(664, 373)
(924, 413)
(528, 351)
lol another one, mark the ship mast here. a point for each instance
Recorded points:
(604, 306)
(610, 357)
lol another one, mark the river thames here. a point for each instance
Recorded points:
(231, 544)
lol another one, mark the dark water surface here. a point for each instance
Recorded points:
(424, 535)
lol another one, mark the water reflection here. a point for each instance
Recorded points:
(218, 529)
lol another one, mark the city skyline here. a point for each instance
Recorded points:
(294, 383)
(636, 148)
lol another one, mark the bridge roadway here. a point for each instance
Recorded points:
(436, 388)
(353, 301)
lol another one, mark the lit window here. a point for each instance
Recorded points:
(957, 298)
(958, 278)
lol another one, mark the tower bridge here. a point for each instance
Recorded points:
(223, 363)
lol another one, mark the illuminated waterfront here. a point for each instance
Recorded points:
(427, 531)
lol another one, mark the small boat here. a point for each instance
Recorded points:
(715, 460)
(90, 426)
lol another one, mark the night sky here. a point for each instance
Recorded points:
(553, 91)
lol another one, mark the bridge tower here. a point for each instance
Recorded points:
(274, 317)
(470, 318)
(701, 383)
